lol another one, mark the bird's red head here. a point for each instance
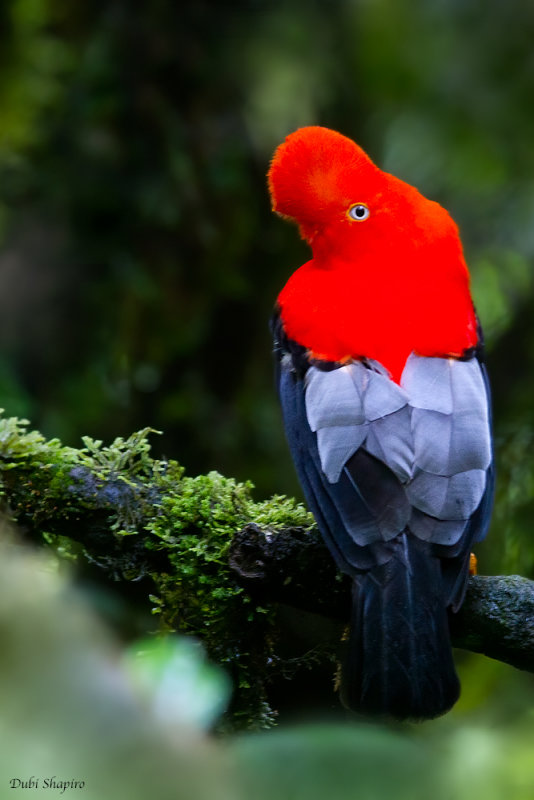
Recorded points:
(315, 176)
(387, 276)
(327, 184)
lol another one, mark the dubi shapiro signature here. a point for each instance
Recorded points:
(45, 783)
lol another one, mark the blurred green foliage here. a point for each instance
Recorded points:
(72, 710)
(179, 683)
(135, 727)
(139, 260)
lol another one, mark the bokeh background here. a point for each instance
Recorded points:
(139, 259)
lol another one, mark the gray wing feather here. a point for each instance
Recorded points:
(449, 443)
(432, 434)
(453, 498)
(391, 440)
(427, 382)
(470, 442)
(438, 531)
(468, 388)
(336, 445)
(332, 398)
(381, 396)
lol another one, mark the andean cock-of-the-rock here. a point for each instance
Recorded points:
(386, 408)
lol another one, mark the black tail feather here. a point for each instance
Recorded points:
(399, 661)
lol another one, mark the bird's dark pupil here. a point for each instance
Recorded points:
(360, 211)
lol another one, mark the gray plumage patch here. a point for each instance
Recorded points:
(380, 396)
(453, 498)
(333, 398)
(427, 382)
(341, 404)
(336, 445)
(432, 432)
(449, 443)
(438, 531)
(391, 440)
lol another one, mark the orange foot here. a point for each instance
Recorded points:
(472, 564)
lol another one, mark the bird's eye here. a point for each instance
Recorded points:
(358, 211)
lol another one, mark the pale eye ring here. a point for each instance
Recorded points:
(358, 212)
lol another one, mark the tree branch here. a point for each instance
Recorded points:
(186, 547)
(294, 567)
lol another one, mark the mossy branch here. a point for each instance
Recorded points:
(208, 560)
(496, 618)
(157, 533)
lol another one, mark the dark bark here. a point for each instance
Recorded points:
(293, 567)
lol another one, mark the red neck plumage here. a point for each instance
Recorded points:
(382, 306)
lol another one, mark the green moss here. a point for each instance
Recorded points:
(151, 503)
(196, 520)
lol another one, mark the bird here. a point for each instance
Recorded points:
(386, 407)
